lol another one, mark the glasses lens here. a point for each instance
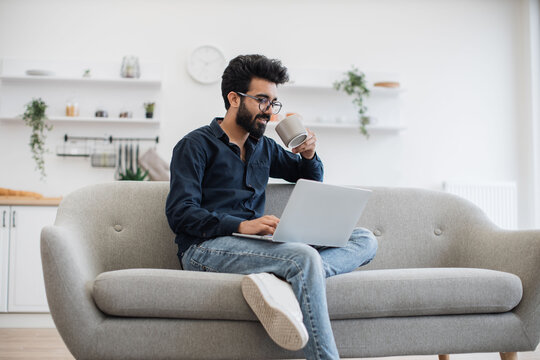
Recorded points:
(276, 107)
(263, 104)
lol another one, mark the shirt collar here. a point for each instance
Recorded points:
(220, 134)
(216, 129)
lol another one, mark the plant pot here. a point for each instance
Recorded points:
(149, 115)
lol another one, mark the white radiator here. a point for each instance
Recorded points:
(498, 200)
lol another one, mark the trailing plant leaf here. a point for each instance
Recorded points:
(34, 116)
(134, 176)
(355, 84)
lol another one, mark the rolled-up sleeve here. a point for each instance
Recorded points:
(292, 167)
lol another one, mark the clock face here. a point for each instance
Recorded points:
(206, 64)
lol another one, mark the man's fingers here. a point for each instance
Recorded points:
(271, 217)
(271, 222)
(265, 229)
(309, 144)
(304, 147)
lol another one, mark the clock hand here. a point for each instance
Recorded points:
(215, 59)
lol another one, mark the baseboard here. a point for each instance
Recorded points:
(19, 320)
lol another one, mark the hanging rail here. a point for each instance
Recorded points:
(110, 138)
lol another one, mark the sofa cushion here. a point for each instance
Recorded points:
(360, 294)
(424, 291)
(171, 294)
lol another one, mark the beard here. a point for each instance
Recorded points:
(251, 123)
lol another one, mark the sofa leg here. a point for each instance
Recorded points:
(509, 356)
(445, 357)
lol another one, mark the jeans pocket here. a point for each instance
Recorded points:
(197, 266)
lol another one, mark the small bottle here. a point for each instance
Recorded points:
(69, 108)
(72, 108)
(75, 109)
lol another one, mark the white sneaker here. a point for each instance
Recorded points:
(274, 303)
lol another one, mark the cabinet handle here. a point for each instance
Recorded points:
(4, 218)
(14, 218)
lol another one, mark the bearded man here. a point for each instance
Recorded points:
(219, 174)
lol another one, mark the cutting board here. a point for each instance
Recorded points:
(27, 200)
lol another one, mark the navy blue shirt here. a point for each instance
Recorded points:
(213, 190)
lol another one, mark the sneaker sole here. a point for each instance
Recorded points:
(277, 323)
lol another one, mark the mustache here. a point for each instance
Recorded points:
(263, 116)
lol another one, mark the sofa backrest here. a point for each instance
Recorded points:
(125, 226)
(414, 227)
(418, 228)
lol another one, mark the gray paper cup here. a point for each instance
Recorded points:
(291, 131)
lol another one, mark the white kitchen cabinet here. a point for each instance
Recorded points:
(21, 249)
(4, 256)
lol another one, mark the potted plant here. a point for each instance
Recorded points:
(34, 116)
(355, 84)
(134, 176)
(149, 107)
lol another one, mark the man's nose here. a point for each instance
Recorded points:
(268, 109)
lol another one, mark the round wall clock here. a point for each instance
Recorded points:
(206, 64)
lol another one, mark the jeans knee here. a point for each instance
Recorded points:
(367, 240)
(306, 257)
(373, 245)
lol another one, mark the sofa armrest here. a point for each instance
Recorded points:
(516, 252)
(69, 268)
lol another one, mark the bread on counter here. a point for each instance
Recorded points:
(22, 193)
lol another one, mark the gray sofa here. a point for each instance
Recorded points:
(445, 280)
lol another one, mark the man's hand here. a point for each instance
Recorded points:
(265, 225)
(307, 148)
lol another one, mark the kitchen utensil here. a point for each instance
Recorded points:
(130, 156)
(137, 157)
(103, 159)
(126, 157)
(119, 166)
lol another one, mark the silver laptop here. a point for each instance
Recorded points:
(319, 214)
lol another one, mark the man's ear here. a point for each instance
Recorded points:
(234, 99)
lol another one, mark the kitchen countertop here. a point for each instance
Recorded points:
(26, 200)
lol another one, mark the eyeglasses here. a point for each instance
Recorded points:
(264, 103)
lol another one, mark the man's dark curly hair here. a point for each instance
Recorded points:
(238, 74)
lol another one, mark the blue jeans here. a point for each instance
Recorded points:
(305, 267)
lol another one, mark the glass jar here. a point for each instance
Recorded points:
(130, 67)
(72, 108)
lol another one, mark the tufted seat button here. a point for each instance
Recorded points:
(377, 232)
(438, 232)
(118, 228)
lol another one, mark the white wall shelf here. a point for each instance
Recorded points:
(81, 80)
(374, 90)
(85, 119)
(310, 93)
(105, 89)
(346, 126)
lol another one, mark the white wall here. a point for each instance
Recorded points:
(460, 60)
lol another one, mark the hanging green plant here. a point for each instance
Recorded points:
(34, 116)
(132, 175)
(355, 84)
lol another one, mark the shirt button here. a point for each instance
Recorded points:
(118, 228)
